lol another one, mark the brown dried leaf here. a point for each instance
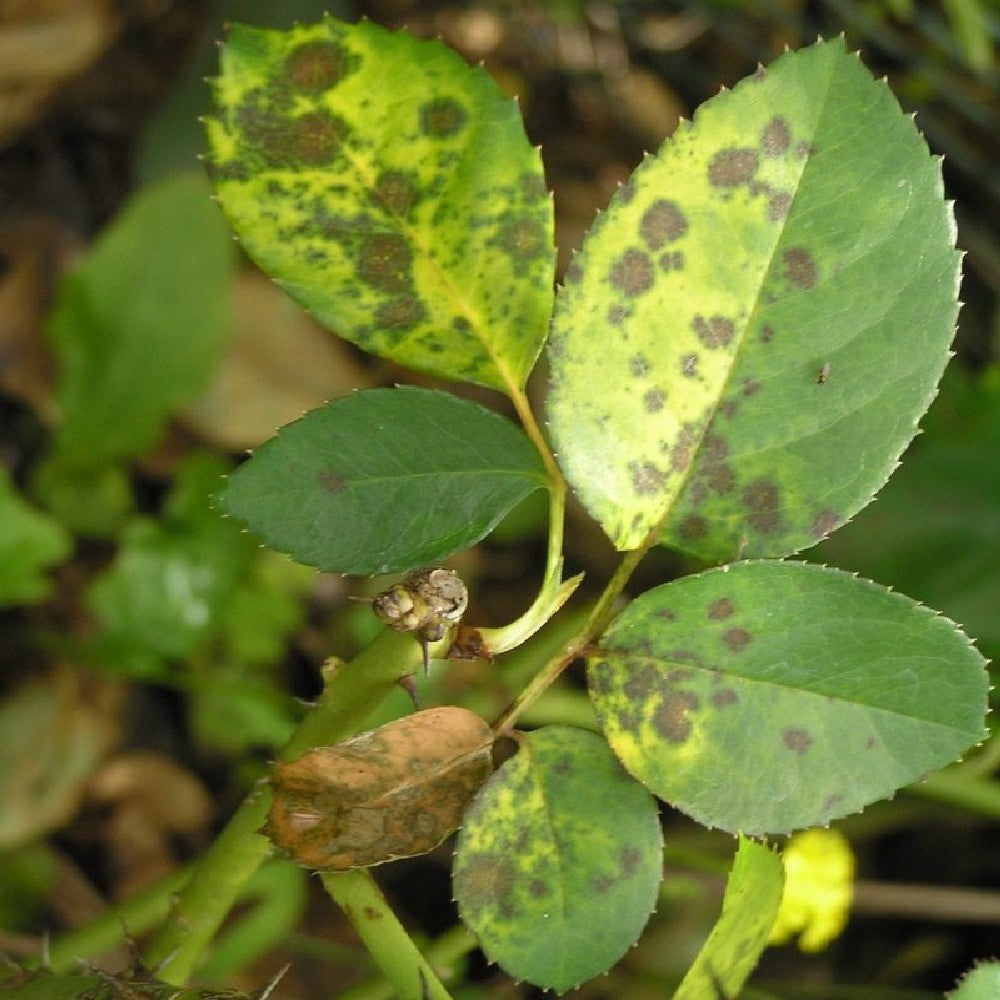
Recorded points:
(392, 792)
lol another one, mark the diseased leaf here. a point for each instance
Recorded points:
(768, 696)
(392, 792)
(138, 326)
(751, 331)
(390, 189)
(753, 894)
(384, 480)
(30, 542)
(559, 860)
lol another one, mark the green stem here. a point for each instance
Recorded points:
(977, 795)
(352, 692)
(384, 936)
(135, 916)
(444, 953)
(598, 620)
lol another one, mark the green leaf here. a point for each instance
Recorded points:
(384, 480)
(982, 982)
(745, 343)
(167, 588)
(559, 860)
(30, 542)
(45, 985)
(390, 189)
(137, 327)
(935, 531)
(753, 894)
(768, 696)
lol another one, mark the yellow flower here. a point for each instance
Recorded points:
(819, 881)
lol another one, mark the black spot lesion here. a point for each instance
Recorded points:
(523, 239)
(631, 273)
(775, 137)
(720, 608)
(333, 481)
(733, 167)
(654, 400)
(799, 267)
(670, 719)
(716, 331)
(761, 500)
(689, 365)
(638, 365)
(400, 313)
(797, 740)
(397, 190)
(647, 478)
(384, 261)
(316, 66)
(663, 222)
(442, 117)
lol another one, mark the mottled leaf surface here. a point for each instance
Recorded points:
(388, 793)
(138, 326)
(750, 333)
(384, 480)
(390, 189)
(753, 894)
(771, 696)
(559, 860)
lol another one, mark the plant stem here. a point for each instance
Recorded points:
(597, 621)
(352, 692)
(384, 936)
(977, 795)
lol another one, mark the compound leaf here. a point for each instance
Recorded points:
(753, 894)
(384, 480)
(745, 343)
(770, 696)
(390, 189)
(559, 860)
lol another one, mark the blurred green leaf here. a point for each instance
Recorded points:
(746, 340)
(384, 480)
(171, 579)
(235, 710)
(30, 542)
(138, 325)
(559, 860)
(27, 874)
(389, 188)
(934, 532)
(764, 697)
(753, 894)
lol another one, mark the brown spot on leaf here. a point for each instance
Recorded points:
(400, 313)
(689, 365)
(641, 683)
(680, 454)
(638, 365)
(797, 740)
(317, 66)
(484, 881)
(397, 190)
(524, 239)
(647, 479)
(724, 697)
(537, 887)
(384, 261)
(628, 860)
(333, 481)
(721, 608)
(654, 400)
(617, 314)
(760, 498)
(370, 913)
(632, 273)
(574, 272)
(766, 334)
(736, 639)
(717, 331)
(313, 139)
(663, 222)
(715, 447)
(601, 883)
(800, 268)
(732, 167)
(693, 528)
(749, 387)
(824, 522)
(778, 204)
(442, 117)
(670, 718)
(775, 137)
(673, 261)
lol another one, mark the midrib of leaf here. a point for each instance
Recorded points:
(765, 683)
(740, 338)
(461, 304)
